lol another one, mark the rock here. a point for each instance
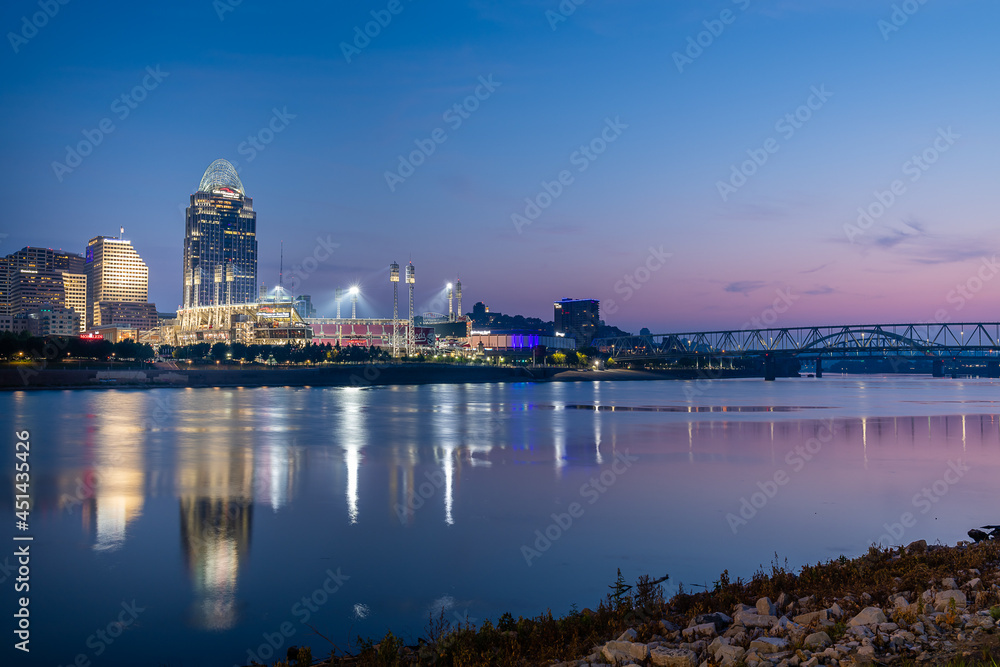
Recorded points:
(765, 645)
(918, 547)
(754, 620)
(673, 657)
(766, 608)
(866, 652)
(729, 655)
(868, 616)
(836, 610)
(973, 584)
(703, 630)
(628, 636)
(942, 598)
(812, 617)
(949, 582)
(811, 662)
(624, 650)
(720, 620)
(817, 641)
(783, 600)
(668, 626)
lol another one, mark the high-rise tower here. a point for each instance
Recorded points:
(220, 241)
(117, 285)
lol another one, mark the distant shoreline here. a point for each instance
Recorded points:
(360, 375)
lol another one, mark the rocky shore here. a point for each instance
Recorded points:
(913, 605)
(953, 618)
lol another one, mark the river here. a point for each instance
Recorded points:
(204, 526)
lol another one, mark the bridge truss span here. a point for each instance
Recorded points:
(927, 341)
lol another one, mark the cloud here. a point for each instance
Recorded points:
(744, 287)
(820, 291)
(818, 268)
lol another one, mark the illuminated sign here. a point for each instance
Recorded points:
(284, 314)
(91, 336)
(226, 192)
(480, 333)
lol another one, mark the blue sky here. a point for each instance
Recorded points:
(644, 225)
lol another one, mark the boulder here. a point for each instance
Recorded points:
(720, 620)
(941, 600)
(868, 616)
(918, 547)
(698, 631)
(729, 655)
(765, 645)
(754, 620)
(673, 657)
(624, 650)
(766, 608)
(628, 636)
(817, 641)
(949, 582)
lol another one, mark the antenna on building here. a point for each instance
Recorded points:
(121, 234)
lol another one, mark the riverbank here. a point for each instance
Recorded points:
(918, 605)
(17, 377)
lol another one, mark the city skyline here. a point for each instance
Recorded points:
(808, 162)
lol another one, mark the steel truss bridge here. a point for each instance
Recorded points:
(953, 343)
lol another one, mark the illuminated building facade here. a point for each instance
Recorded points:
(220, 241)
(42, 278)
(117, 285)
(577, 318)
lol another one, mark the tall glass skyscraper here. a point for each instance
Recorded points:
(220, 241)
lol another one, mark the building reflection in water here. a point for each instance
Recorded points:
(114, 481)
(215, 477)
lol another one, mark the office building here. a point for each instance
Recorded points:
(34, 278)
(578, 319)
(220, 241)
(117, 285)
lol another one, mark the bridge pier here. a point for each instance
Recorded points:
(819, 367)
(769, 368)
(938, 369)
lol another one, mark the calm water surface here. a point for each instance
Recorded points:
(188, 525)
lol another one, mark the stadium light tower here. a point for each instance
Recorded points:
(354, 302)
(394, 279)
(451, 311)
(411, 277)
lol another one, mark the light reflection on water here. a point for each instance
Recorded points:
(425, 496)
